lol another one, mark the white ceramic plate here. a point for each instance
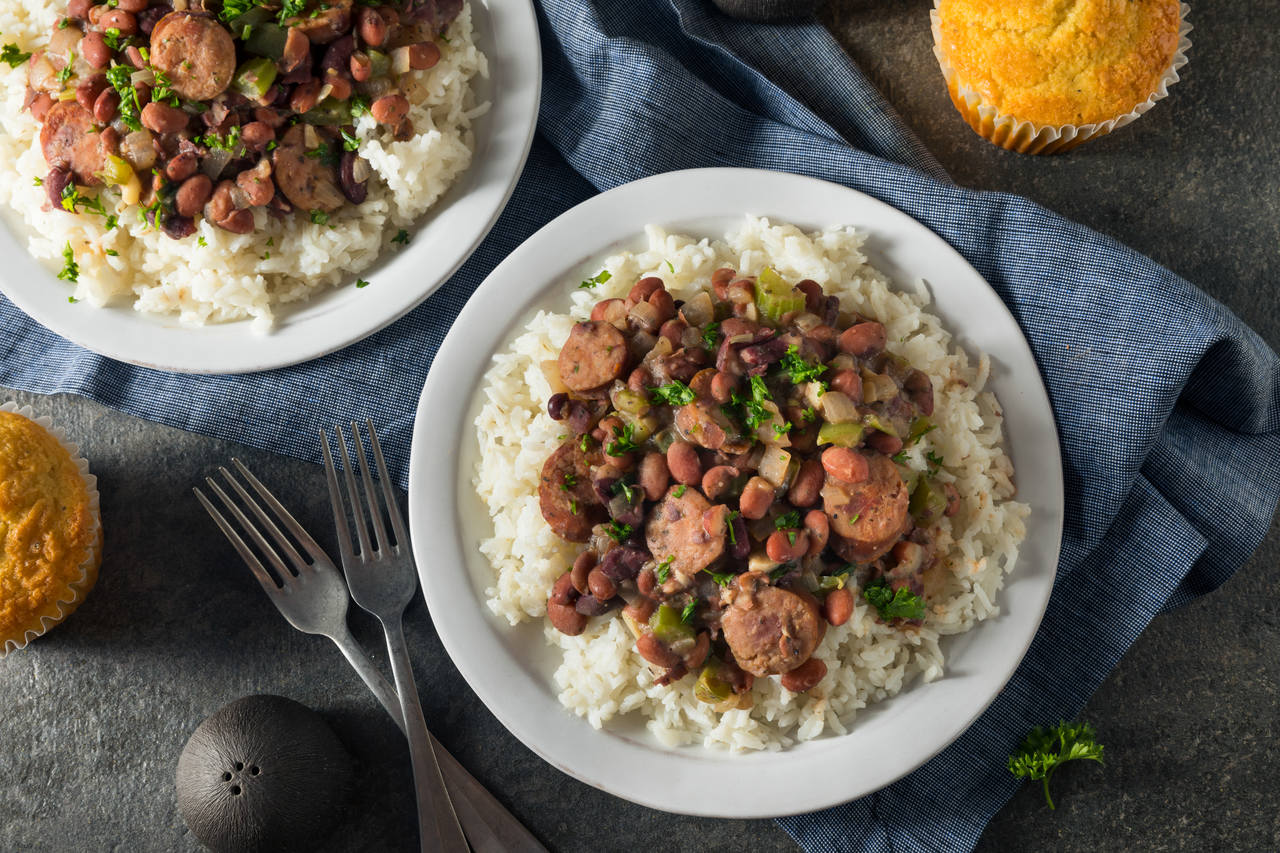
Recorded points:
(507, 32)
(510, 669)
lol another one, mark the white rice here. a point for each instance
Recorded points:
(237, 277)
(867, 661)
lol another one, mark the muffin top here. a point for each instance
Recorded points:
(47, 525)
(1056, 62)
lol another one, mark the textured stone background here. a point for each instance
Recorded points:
(95, 713)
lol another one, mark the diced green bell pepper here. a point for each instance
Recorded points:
(841, 435)
(667, 625)
(710, 688)
(928, 500)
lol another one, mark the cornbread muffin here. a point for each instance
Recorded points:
(50, 534)
(1076, 68)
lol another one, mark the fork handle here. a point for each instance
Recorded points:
(438, 827)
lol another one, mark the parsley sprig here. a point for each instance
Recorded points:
(12, 56)
(1045, 750)
(70, 269)
(901, 603)
(797, 369)
(623, 440)
(599, 278)
(750, 410)
(674, 393)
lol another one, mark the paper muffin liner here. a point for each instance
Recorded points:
(79, 588)
(1027, 137)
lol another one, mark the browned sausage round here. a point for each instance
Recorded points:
(326, 24)
(807, 486)
(67, 139)
(197, 54)
(869, 516)
(594, 354)
(565, 495)
(676, 530)
(804, 677)
(307, 182)
(771, 630)
(863, 339)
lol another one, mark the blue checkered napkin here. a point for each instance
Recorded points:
(1168, 407)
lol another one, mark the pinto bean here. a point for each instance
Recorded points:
(683, 463)
(722, 387)
(757, 497)
(297, 50)
(641, 609)
(600, 585)
(162, 118)
(608, 310)
(655, 652)
(885, 443)
(644, 288)
(134, 57)
(192, 195)
(665, 305)
(782, 549)
(256, 183)
(182, 167)
(654, 476)
(565, 617)
(305, 96)
(716, 481)
(844, 464)
(698, 654)
(340, 88)
(646, 583)
(196, 52)
(849, 383)
(148, 18)
(807, 486)
(390, 109)
(920, 388)
(589, 605)
(372, 27)
(257, 135)
(580, 574)
(838, 606)
(94, 49)
(623, 564)
(640, 380)
(672, 330)
(105, 106)
(804, 677)
(818, 529)
(423, 55)
(863, 339)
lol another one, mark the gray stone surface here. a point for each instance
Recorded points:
(95, 713)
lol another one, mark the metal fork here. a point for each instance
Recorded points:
(313, 597)
(383, 580)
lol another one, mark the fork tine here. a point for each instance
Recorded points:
(283, 574)
(353, 496)
(286, 547)
(251, 559)
(371, 496)
(388, 491)
(286, 518)
(335, 499)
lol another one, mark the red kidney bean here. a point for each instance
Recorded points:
(296, 51)
(558, 406)
(653, 650)
(672, 330)
(844, 464)
(133, 6)
(666, 306)
(838, 606)
(640, 380)
(817, 525)
(134, 57)
(238, 222)
(371, 26)
(148, 18)
(58, 179)
(87, 92)
(423, 55)
(78, 10)
(804, 677)
(257, 135)
(118, 19)
(807, 485)
(757, 497)
(361, 66)
(162, 118)
(781, 549)
(716, 481)
(560, 609)
(646, 582)
(192, 195)
(623, 564)
(94, 49)
(813, 295)
(306, 95)
(722, 387)
(863, 339)
(641, 609)
(654, 475)
(885, 443)
(105, 106)
(644, 288)
(390, 109)
(257, 185)
(562, 590)
(849, 383)
(720, 281)
(684, 464)
(600, 585)
(920, 388)
(698, 654)
(603, 310)
(95, 14)
(182, 167)
(589, 605)
(340, 88)
(582, 566)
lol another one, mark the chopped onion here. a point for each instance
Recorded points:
(142, 76)
(41, 74)
(806, 322)
(400, 60)
(641, 344)
(551, 371)
(645, 316)
(690, 338)
(309, 137)
(660, 347)
(131, 192)
(360, 171)
(773, 465)
(698, 311)
(631, 402)
(877, 386)
(214, 162)
(837, 408)
(139, 149)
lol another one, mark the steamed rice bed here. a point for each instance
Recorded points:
(601, 675)
(235, 276)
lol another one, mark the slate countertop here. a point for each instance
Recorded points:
(95, 713)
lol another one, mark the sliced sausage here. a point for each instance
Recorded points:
(68, 140)
(595, 353)
(869, 516)
(676, 530)
(328, 24)
(565, 496)
(307, 182)
(196, 53)
(771, 630)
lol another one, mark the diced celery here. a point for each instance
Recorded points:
(379, 64)
(330, 111)
(928, 500)
(873, 421)
(254, 77)
(117, 173)
(841, 435)
(667, 625)
(710, 688)
(775, 297)
(919, 427)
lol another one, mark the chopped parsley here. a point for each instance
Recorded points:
(292, 9)
(319, 217)
(585, 444)
(70, 269)
(111, 36)
(618, 531)
(787, 521)
(722, 578)
(674, 393)
(232, 9)
(709, 334)
(751, 409)
(201, 241)
(900, 457)
(686, 615)
(728, 523)
(622, 487)
(570, 479)
(573, 506)
(901, 603)
(599, 278)
(350, 142)
(230, 142)
(111, 253)
(808, 415)
(680, 490)
(402, 237)
(670, 267)
(781, 571)
(72, 300)
(65, 74)
(38, 181)
(163, 89)
(13, 57)
(119, 76)
(783, 428)
(797, 369)
(623, 440)
(73, 200)
(1044, 751)
(325, 154)
(934, 459)
(664, 569)
(359, 105)
(361, 283)
(836, 579)
(271, 241)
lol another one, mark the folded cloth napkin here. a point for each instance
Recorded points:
(1167, 405)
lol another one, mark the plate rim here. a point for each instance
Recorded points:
(425, 466)
(234, 348)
